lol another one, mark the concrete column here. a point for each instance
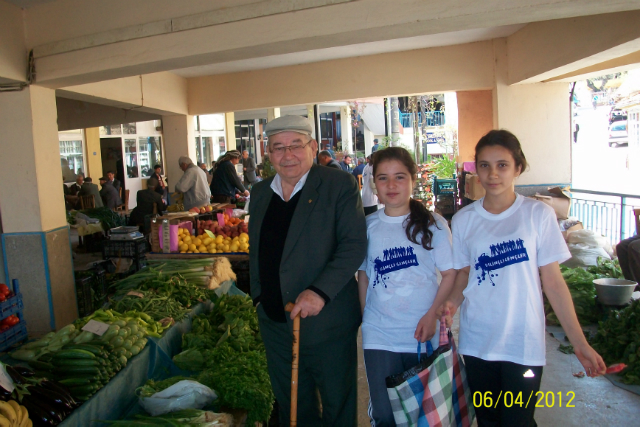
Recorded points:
(230, 130)
(538, 114)
(94, 155)
(179, 140)
(36, 235)
(312, 120)
(273, 113)
(395, 119)
(345, 127)
(259, 141)
(368, 140)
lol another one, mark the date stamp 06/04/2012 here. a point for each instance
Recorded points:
(540, 399)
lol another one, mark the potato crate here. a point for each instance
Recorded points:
(135, 248)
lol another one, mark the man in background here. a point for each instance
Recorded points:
(91, 189)
(358, 169)
(375, 146)
(146, 200)
(206, 172)
(110, 196)
(193, 184)
(345, 164)
(75, 188)
(369, 197)
(325, 159)
(111, 177)
(249, 168)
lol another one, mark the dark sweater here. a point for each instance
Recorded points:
(273, 235)
(225, 180)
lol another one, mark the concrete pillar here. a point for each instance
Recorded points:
(368, 140)
(230, 130)
(94, 155)
(273, 113)
(259, 142)
(179, 140)
(475, 118)
(345, 129)
(538, 114)
(395, 120)
(35, 242)
(312, 120)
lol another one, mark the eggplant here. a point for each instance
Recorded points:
(53, 399)
(48, 412)
(15, 375)
(37, 414)
(61, 389)
(24, 371)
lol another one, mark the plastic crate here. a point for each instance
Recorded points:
(13, 335)
(124, 248)
(11, 306)
(84, 295)
(444, 186)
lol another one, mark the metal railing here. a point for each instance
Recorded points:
(608, 214)
(434, 118)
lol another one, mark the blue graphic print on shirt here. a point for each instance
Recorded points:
(394, 259)
(502, 255)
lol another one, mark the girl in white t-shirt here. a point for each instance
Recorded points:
(507, 249)
(397, 281)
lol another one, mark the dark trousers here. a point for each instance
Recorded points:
(330, 368)
(220, 198)
(628, 252)
(496, 377)
(370, 209)
(379, 364)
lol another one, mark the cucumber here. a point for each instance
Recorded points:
(76, 362)
(82, 390)
(41, 366)
(74, 354)
(97, 350)
(79, 370)
(77, 381)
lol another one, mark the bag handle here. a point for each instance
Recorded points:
(428, 347)
(444, 335)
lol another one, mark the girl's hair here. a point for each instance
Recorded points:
(505, 139)
(419, 219)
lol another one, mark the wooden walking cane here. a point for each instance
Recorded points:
(293, 418)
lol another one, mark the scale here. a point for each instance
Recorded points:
(125, 233)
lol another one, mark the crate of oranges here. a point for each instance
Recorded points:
(207, 242)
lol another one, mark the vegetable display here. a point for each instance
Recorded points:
(12, 414)
(606, 268)
(583, 294)
(161, 275)
(157, 306)
(185, 417)
(226, 347)
(618, 341)
(106, 216)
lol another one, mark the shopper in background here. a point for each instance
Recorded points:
(514, 245)
(75, 188)
(145, 201)
(110, 197)
(325, 159)
(116, 183)
(369, 198)
(91, 189)
(309, 234)
(157, 174)
(193, 184)
(206, 172)
(358, 169)
(400, 304)
(226, 182)
(375, 146)
(249, 168)
(345, 164)
(628, 251)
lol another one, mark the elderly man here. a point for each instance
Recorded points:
(309, 232)
(145, 201)
(249, 168)
(325, 159)
(75, 188)
(91, 189)
(110, 197)
(193, 184)
(358, 169)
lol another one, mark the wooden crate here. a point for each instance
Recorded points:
(173, 220)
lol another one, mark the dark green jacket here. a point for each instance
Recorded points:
(326, 243)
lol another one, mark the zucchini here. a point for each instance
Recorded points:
(96, 350)
(74, 354)
(117, 341)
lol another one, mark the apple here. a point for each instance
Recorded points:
(209, 208)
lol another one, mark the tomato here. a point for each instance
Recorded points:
(4, 289)
(2, 297)
(10, 321)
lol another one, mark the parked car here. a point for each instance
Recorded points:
(618, 134)
(617, 115)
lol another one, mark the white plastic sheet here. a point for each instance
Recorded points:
(184, 394)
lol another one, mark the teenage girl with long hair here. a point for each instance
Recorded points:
(397, 282)
(507, 249)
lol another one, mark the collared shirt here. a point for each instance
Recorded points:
(276, 185)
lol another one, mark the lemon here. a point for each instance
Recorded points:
(196, 251)
(202, 248)
(196, 241)
(226, 248)
(189, 252)
(233, 248)
(244, 235)
(184, 247)
(243, 246)
(207, 241)
(212, 251)
(187, 239)
(243, 238)
(192, 247)
(183, 252)
(219, 238)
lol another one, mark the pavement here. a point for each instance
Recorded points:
(597, 401)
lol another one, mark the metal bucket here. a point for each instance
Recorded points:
(614, 291)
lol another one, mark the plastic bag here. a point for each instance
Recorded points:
(583, 255)
(591, 239)
(184, 394)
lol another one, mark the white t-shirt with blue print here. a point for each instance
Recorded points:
(402, 282)
(502, 315)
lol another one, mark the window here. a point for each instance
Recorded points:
(150, 149)
(129, 128)
(71, 159)
(131, 158)
(223, 146)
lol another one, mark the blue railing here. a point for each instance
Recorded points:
(434, 118)
(609, 214)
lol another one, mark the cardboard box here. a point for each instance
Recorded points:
(576, 227)
(560, 201)
(472, 188)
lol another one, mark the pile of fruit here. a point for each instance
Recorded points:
(202, 209)
(5, 292)
(14, 415)
(210, 243)
(232, 227)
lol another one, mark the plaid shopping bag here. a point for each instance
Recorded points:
(435, 392)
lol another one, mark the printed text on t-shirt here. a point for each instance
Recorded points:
(394, 259)
(502, 255)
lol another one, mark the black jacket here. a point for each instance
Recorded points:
(145, 200)
(226, 180)
(91, 189)
(333, 164)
